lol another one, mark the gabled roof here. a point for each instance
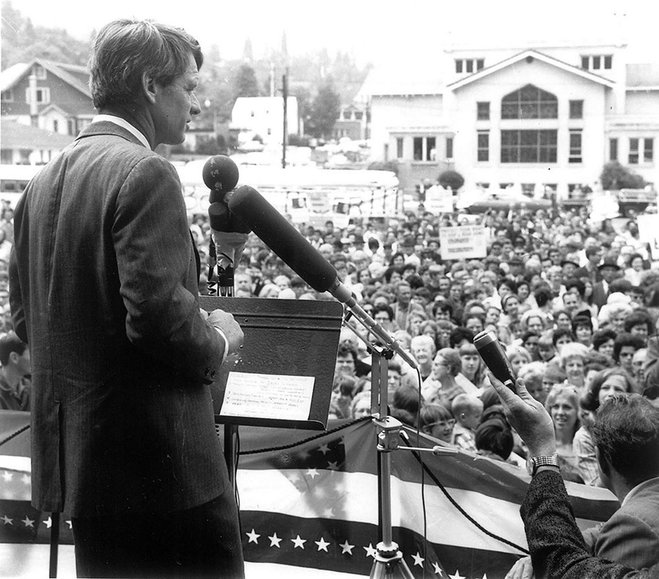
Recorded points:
(485, 72)
(401, 79)
(19, 136)
(69, 73)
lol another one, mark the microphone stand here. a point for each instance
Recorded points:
(389, 561)
(222, 288)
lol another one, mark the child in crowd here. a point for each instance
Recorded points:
(467, 411)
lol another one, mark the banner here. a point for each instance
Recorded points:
(463, 242)
(309, 503)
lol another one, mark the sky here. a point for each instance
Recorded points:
(373, 31)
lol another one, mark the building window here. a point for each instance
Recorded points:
(529, 146)
(648, 150)
(633, 152)
(424, 148)
(529, 102)
(469, 65)
(346, 115)
(359, 115)
(575, 147)
(55, 126)
(399, 147)
(613, 149)
(449, 147)
(483, 111)
(483, 146)
(597, 62)
(7, 96)
(43, 96)
(576, 109)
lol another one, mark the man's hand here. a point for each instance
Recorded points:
(229, 327)
(528, 417)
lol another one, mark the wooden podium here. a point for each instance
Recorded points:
(285, 373)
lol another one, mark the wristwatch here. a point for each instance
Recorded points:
(534, 462)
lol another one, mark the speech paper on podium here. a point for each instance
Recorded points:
(268, 396)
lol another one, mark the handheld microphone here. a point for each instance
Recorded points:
(495, 358)
(290, 245)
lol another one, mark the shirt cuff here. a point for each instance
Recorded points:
(226, 343)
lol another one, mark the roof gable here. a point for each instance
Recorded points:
(534, 54)
(70, 74)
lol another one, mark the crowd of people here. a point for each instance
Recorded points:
(575, 303)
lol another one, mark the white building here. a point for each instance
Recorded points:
(263, 117)
(549, 117)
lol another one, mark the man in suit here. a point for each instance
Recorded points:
(609, 270)
(626, 433)
(104, 289)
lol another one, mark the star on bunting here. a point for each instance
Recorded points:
(346, 548)
(418, 559)
(298, 542)
(253, 537)
(322, 545)
(275, 540)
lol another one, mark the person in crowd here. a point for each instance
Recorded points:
(473, 369)
(530, 341)
(624, 348)
(546, 349)
(343, 392)
(467, 410)
(608, 270)
(494, 439)
(123, 356)
(441, 386)
(605, 383)
(582, 328)
(347, 358)
(423, 350)
(572, 359)
(563, 406)
(626, 424)
(518, 357)
(15, 383)
(603, 341)
(639, 361)
(361, 405)
(437, 420)
(405, 405)
(560, 337)
(533, 374)
(639, 323)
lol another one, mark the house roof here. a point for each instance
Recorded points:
(18, 136)
(73, 75)
(485, 72)
(401, 80)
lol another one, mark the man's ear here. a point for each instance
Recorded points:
(149, 88)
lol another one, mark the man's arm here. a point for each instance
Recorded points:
(555, 541)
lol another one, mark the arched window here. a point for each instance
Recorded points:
(529, 102)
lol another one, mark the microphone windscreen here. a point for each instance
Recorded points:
(220, 174)
(219, 216)
(286, 241)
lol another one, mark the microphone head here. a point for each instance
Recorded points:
(219, 217)
(220, 174)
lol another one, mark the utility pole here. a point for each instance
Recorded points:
(284, 138)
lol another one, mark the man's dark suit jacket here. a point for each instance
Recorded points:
(104, 290)
(557, 546)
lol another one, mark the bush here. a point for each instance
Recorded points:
(615, 176)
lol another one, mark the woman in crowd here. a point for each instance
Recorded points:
(563, 406)
(604, 384)
(473, 367)
(572, 359)
(441, 386)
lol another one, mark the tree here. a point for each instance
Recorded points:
(616, 176)
(324, 112)
(450, 179)
(245, 83)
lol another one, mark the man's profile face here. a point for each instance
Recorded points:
(175, 106)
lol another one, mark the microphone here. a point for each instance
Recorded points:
(289, 244)
(220, 174)
(229, 232)
(495, 358)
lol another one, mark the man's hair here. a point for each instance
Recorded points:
(458, 334)
(9, 343)
(575, 283)
(626, 432)
(125, 50)
(496, 436)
